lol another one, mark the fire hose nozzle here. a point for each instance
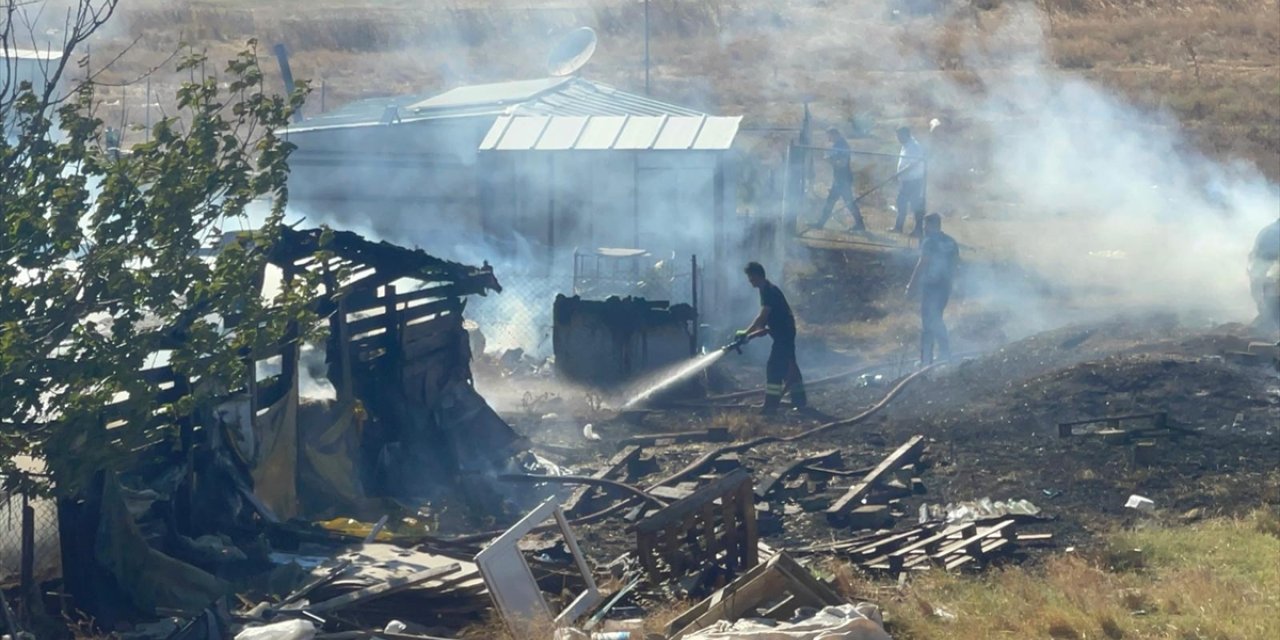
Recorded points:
(739, 339)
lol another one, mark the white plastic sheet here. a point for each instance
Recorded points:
(846, 622)
(290, 630)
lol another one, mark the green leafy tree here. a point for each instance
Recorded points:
(101, 269)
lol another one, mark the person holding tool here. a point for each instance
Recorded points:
(911, 175)
(775, 318)
(841, 182)
(939, 257)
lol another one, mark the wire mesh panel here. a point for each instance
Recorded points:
(42, 546)
(519, 317)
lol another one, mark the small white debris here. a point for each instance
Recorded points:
(1145, 505)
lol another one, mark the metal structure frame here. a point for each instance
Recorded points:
(511, 583)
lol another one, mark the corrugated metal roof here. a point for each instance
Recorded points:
(369, 111)
(557, 97)
(496, 94)
(597, 133)
(586, 98)
(601, 132)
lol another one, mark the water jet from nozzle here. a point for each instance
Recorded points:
(673, 376)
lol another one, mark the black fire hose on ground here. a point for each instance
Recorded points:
(690, 468)
(747, 393)
(587, 480)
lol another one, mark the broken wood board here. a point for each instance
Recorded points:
(1159, 420)
(908, 452)
(824, 458)
(714, 434)
(383, 589)
(581, 495)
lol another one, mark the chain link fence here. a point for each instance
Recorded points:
(30, 549)
(521, 316)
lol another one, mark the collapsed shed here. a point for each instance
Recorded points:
(403, 421)
(398, 358)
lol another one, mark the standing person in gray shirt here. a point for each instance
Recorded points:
(911, 175)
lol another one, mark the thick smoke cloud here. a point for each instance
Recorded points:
(1112, 199)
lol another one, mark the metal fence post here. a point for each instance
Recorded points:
(697, 313)
(28, 556)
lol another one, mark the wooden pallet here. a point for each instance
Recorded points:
(713, 530)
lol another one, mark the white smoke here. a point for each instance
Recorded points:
(1108, 197)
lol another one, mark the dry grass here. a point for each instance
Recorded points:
(495, 629)
(1212, 63)
(1216, 579)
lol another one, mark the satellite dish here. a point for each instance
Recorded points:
(573, 51)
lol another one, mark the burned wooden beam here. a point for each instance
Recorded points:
(1159, 420)
(383, 589)
(329, 576)
(908, 452)
(714, 434)
(830, 457)
(616, 465)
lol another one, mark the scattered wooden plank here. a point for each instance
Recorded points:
(973, 543)
(383, 589)
(714, 434)
(329, 576)
(830, 457)
(912, 449)
(615, 466)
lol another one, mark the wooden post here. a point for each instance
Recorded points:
(392, 323)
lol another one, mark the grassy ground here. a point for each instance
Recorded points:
(1215, 579)
(1211, 580)
(1213, 64)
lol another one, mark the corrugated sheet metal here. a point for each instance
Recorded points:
(562, 133)
(679, 133)
(558, 97)
(500, 93)
(639, 133)
(585, 98)
(599, 133)
(522, 133)
(717, 133)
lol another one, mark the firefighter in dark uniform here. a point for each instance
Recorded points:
(775, 318)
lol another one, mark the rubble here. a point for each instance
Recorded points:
(682, 508)
(847, 622)
(777, 589)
